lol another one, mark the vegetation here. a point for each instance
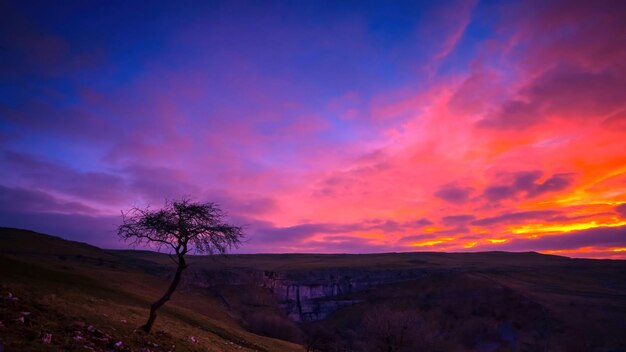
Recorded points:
(182, 226)
(69, 286)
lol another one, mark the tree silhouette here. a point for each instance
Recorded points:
(185, 226)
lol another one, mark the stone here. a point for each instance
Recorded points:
(46, 338)
(97, 333)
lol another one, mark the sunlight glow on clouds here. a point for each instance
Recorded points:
(454, 125)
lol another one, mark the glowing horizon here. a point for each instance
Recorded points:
(335, 127)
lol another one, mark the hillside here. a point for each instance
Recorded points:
(90, 299)
(493, 301)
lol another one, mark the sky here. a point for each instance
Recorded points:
(322, 126)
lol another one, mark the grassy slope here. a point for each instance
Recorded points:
(67, 286)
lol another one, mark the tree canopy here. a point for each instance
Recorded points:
(182, 225)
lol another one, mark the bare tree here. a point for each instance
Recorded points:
(181, 226)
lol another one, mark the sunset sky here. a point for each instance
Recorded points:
(322, 126)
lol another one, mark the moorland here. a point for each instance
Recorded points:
(62, 295)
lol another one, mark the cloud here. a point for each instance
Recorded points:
(455, 220)
(563, 92)
(498, 193)
(596, 237)
(616, 120)
(453, 193)
(29, 49)
(469, 97)
(294, 234)
(150, 184)
(621, 210)
(416, 238)
(564, 71)
(551, 33)
(35, 116)
(516, 217)
(25, 200)
(452, 24)
(33, 172)
(418, 223)
(557, 182)
(444, 235)
(525, 183)
(243, 204)
(267, 232)
(154, 183)
(346, 244)
(512, 114)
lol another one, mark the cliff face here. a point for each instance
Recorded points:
(307, 295)
(303, 302)
(313, 297)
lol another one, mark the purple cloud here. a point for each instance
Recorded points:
(453, 193)
(512, 114)
(302, 231)
(294, 234)
(498, 193)
(456, 220)
(347, 244)
(418, 223)
(570, 91)
(515, 217)
(30, 171)
(557, 182)
(262, 232)
(25, 200)
(525, 184)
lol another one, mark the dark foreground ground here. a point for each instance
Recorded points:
(62, 295)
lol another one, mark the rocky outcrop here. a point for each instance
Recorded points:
(304, 301)
(311, 296)
(307, 295)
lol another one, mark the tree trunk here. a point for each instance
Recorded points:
(166, 297)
